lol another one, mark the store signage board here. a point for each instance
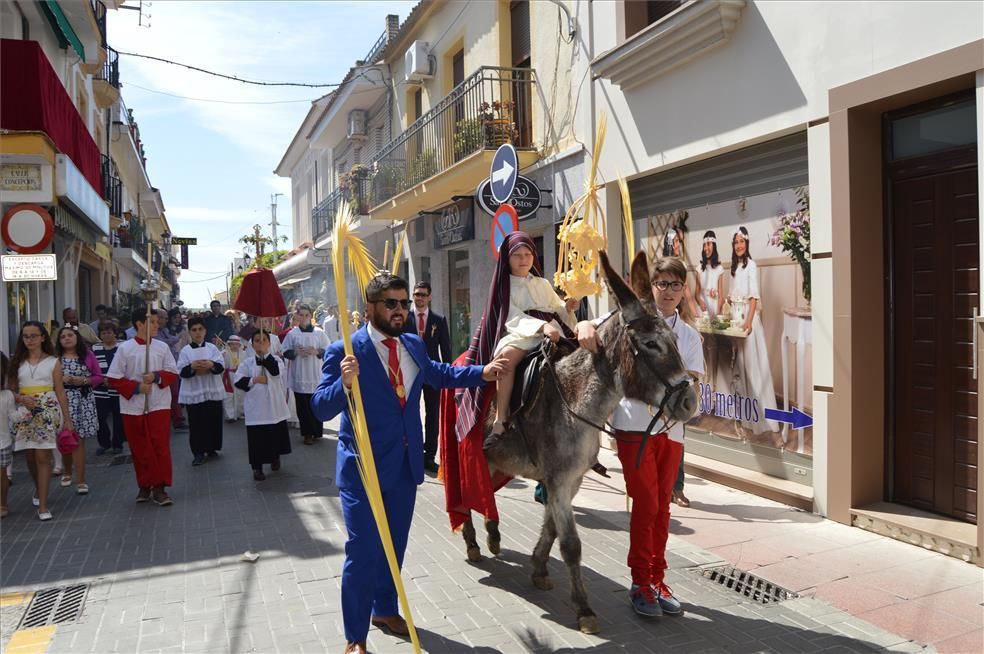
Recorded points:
(27, 228)
(29, 267)
(184, 240)
(504, 222)
(525, 197)
(455, 224)
(503, 172)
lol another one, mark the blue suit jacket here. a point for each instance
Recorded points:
(393, 431)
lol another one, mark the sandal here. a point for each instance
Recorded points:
(82, 489)
(35, 501)
(680, 499)
(66, 481)
(45, 516)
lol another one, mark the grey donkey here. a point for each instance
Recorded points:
(638, 358)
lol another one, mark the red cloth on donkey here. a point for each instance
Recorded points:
(467, 483)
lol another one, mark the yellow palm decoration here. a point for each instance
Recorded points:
(582, 233)
(397, 253)
(623, 189)
(361, 265)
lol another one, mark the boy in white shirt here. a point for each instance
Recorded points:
(650, 482)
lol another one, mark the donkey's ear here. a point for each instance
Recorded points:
(623, 294)
(639, 276)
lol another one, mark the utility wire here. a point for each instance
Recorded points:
(185, 97)
(224, 76)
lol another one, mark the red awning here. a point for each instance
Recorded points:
(33, 99)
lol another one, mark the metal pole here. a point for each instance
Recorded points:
(273, 223)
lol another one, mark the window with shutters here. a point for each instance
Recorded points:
(519, 13)
(640, 15)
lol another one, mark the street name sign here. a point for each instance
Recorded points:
(184, 240)
(28, 267)
(503, 172)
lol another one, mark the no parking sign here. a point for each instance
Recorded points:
(504, 222)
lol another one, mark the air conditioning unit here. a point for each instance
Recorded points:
(417, 62)
(357, 120)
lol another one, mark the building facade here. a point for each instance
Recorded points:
(60, 125)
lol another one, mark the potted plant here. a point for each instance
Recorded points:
(497, 119)
(387, 182)
(423, 166)
(793, 236)
(469, 137)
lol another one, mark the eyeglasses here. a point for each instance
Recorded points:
(661, 285)
(392, 304)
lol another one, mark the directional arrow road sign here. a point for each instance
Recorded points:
(796, 418)
(505, 166)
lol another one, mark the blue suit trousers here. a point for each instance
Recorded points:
(367, 586)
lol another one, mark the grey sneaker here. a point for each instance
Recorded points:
(644, 601)
(669, 604)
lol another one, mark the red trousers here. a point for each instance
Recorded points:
(650, 485)
(149, 438)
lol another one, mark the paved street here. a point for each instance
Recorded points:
(172, 579)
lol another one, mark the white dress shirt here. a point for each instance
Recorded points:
(408, 366)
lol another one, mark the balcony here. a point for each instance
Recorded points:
(130, 247)
(106, 84)
(448, 150)
(353, 188)
(112, 187)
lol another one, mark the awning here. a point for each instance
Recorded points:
(62, 27)
(294, 281)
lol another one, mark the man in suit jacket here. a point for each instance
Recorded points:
(433, 329)
(392, 368)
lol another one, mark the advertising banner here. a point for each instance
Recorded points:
(748, 294)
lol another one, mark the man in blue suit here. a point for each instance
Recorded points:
(433, 329)
(392, 368)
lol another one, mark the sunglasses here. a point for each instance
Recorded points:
(391, 303)
(421, 294)
(676, 286)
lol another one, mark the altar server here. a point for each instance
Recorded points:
(304, 346)
(202, 393)
(260, 376)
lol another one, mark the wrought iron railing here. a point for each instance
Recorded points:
(491, 107)
(99, 11)
(132, 235)
(112, 186)
(355, 191)
(111, 69)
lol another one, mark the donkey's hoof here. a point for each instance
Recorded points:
(494, 545)
(493, 539)
(474, 554)
(588, 624)
(542, 582)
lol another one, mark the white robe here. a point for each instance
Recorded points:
(304, 373)
(129, 364)
(752, 370)
(200, 388)
(266, 404)
(525, 293)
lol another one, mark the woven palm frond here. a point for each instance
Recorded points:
(398, 252)
(623, 188)
(345, 240)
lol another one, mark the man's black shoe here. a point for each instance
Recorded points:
(431, 466)
(199, 460)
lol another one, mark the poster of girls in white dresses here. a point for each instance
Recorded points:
(748, 297)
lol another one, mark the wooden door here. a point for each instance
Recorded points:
(935, 290)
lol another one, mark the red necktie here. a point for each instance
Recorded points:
(420, 325)
(395, 373)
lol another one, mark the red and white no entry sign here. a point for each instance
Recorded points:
(27, 228)
(504, 222)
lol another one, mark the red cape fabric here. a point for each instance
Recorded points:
(467, 483)
(33, 99)
(259, 295)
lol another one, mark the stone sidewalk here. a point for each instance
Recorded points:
(172, 579)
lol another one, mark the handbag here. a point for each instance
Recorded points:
(68, 440)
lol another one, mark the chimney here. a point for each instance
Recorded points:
(392, 27)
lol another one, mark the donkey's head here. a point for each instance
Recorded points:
(645, 347)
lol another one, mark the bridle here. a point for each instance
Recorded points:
(670, 390)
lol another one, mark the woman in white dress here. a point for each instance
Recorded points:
(753, 373)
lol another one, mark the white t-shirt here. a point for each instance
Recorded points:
(633, 415)
(200, 388)
(7, 407)
(129, 364)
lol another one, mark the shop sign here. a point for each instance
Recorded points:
(20, 177)
(456, 223)
(525, 197)
(184, 240)
(28, 267)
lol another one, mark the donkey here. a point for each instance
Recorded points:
(556, 440)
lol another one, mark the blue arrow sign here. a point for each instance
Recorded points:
(503, 173)
(796, 418)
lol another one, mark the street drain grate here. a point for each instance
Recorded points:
(121, 459)
(746, 584)
(55, 606)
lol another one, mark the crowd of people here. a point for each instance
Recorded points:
(68, 383)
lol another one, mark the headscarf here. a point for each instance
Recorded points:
(491, 329)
